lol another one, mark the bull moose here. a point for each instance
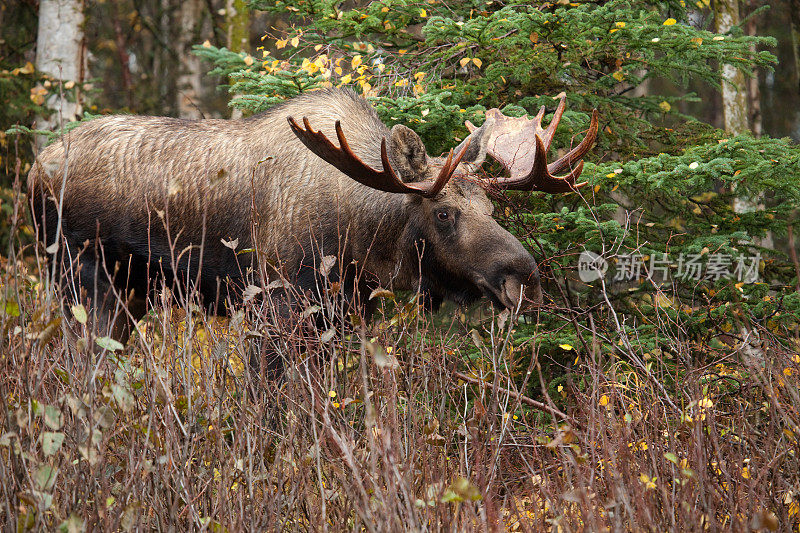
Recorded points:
(216, 204)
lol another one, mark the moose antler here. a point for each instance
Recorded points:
(520, 145)
(350, 164)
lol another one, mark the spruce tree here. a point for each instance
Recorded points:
(661, 184)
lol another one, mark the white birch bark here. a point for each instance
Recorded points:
(735, 98)
(735, 115)
(734, 91)
(190, 79)
(60, 55)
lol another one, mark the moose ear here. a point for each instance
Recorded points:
(478, 140)
(407, 154)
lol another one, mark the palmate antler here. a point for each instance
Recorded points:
(350, 164)
(520, 145)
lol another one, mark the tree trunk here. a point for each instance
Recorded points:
(123, 57)
(753, 90)
(237, 21)
(238, 25)
(735, 114)
(190, 78)
(60, 51)
(734, 92)
(794, 9)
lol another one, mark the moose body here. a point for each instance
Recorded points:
(218, 204)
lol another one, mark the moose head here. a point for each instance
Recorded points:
(463, 252)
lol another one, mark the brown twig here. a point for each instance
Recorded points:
(517, 396)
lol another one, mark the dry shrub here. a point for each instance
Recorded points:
(412, 422)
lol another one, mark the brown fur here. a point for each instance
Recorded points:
(254, 181)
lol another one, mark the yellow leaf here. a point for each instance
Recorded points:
(318, 48)
(665, 107)
(477, 62)
(697, 40)
(206, 44)
(618, 75)
(384, 9)
(248, 60)
(705, 403)
(310, 67)
(670, 22)
(332, 394)
(746, 472)
(419, 75)
(295, 41)
(69, 85)
(423, 13)
(464, 61)
(787, 371)
(355, 62)
(604, 399)
(619, 24)
(346, 79)
(280, 43)
(567, 347)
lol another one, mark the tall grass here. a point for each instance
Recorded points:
(410, 422)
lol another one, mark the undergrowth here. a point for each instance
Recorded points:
(456, 421)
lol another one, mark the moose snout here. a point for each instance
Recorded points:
(517, 283)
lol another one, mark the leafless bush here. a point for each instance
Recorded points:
(410, 422)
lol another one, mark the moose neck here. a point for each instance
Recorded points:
(378, 228)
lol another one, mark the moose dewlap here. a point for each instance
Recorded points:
(151, 199)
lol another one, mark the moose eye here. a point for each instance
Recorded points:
(444, 216)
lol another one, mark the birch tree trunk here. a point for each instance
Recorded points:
(734, 91)
(60, 52)
(190, 78)
(735, 117)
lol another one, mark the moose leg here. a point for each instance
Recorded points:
(115, 307)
